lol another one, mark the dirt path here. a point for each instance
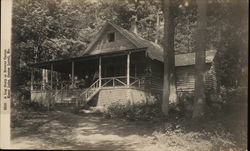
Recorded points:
(60, 130)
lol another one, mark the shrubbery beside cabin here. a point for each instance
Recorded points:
(118, 66)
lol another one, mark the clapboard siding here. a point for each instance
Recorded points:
(186, 78)
(155, 77)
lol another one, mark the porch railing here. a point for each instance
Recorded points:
(137, 82)
(89, 91)
(85, 95)
(114, 81)
(122, 81)
(106, 82)
(66, 85)
(41, 86)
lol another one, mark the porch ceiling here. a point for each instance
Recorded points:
(65, 65)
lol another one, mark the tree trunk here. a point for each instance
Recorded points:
(199, 97)
(169, 57)
(157, 26)
(173, 92)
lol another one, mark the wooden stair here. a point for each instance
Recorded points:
(88, 94)
(74, 103)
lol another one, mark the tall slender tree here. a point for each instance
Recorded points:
(169, 55)
(200, 57)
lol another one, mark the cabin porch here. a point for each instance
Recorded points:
(113, 77)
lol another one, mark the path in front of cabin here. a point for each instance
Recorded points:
(63, 130)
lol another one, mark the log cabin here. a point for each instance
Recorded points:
(117, 66)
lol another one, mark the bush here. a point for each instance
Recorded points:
(139, 111)
(21, 110)
(185, 104)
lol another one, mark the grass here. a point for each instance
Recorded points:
(184, 134)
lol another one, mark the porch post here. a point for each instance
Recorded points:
(128, 69)
(56, 80)
(51, 76)
(73, 73)
(32, 79)
(100, 71)
(135, 71)
(44, 78)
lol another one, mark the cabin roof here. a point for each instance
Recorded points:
(185, 59)
(154, 51)
(189, 58)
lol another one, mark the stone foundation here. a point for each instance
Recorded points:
(123, 95)
(104, 98)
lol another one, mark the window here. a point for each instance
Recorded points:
(111, 37)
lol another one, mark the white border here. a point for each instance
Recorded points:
(6, 13)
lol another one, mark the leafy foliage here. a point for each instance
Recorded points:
(138, 111)
(229, 25)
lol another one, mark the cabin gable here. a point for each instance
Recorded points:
(110, 40)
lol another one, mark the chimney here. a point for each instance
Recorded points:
(133, 27)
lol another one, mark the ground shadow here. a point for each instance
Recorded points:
(85, 131)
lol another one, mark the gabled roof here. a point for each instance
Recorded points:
(189, 58)
(153, 50)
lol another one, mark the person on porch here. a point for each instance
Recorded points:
(95, 76)
(81, 83)
(73, 85)
(87, 82)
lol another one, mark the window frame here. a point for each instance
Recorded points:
(109, 38)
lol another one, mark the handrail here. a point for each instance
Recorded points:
(118, 77)
(133, 77)
(113, 77)
(90, 87)
(120, 81)
(137, 81)
(53, 97)
(57, 92)
(106, 82)
(113, 80)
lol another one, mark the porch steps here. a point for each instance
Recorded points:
(88, 94)
(86, 98)
(94, 92)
